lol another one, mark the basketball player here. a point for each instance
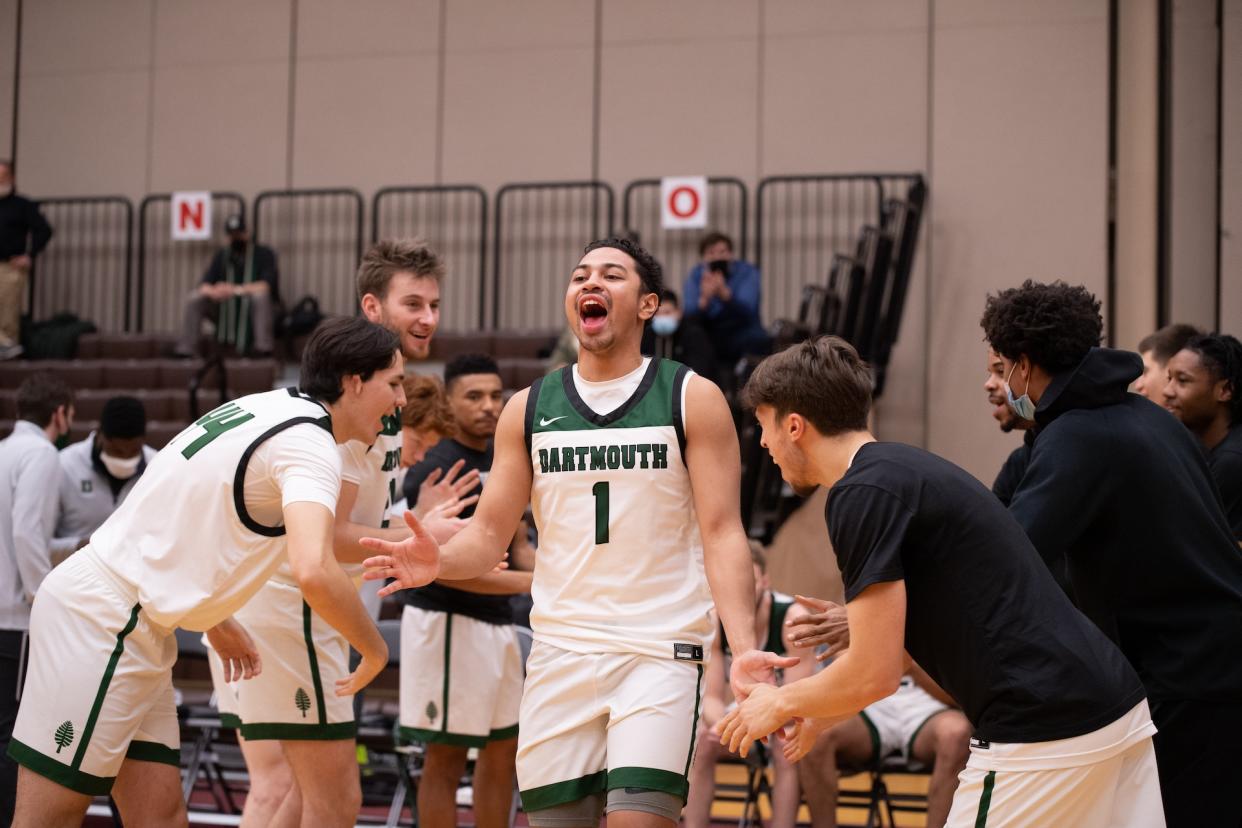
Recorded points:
(293, 751)
(249, 485)
(631, 467)
(933, 563)
(772, 609)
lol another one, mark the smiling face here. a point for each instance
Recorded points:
(367, 402)
(605, 303)
(410, 309)
(1192, 394)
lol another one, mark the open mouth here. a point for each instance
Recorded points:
(593, 313)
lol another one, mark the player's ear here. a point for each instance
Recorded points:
(372, 307)
(1223, 391)
(795, 425)
(648, 304)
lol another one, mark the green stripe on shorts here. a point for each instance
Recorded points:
(71, 778)
(103, 687)
(153, 752)
(320, 705)
(559, 793)
(652, 779)
(985, 800)
(299, 732)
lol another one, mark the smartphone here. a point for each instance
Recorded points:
(720, 266)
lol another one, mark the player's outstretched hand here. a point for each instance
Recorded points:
(236, 650)
(754, 719)
(439, 489)
(826, 624)
(444, 528)
(756, 667)
(413, 562)
(368, 668)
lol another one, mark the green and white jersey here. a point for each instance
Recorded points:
(373, 469)
(204, 526)
(620, 560)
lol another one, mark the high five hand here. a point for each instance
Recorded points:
(413, 562)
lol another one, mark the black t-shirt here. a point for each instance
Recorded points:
(436, 597)
(984, 617)
(1225, 461)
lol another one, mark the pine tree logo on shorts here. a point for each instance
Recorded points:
(302, 701)
(64, 735)
(432, 712)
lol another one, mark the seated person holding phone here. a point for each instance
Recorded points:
(722, 294)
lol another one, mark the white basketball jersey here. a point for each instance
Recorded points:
(620, 560)
(185, 538)
(374, 470)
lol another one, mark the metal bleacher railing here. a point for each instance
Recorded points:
(167, 270)
(86, 269)
(539, 227)
(453, 219)
(317, 236)
(678, 250)
(508, 255)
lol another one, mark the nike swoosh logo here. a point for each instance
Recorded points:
(543, 422)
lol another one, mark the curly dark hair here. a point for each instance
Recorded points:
(649, 271)
(1221, 355)
(1054, 325)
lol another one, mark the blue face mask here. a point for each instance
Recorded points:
(1022, 406)
(665, 325)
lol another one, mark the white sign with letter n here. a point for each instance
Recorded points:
(683, 202)
(191, 216)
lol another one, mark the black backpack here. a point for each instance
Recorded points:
(56, 338)
(301, 319)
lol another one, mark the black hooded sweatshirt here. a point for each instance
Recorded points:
(1120, 489)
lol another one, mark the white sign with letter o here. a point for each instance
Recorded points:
(683, 202)
(191, 216)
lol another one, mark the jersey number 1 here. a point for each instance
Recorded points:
(600, 490)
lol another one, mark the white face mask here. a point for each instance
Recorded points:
(121, 468)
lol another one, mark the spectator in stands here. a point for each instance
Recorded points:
(1156, 349)
(672, 335)
(238, 293)
(470, 700)
(1204, 391)
(98, 472)
(24, 232)
(1123, 492)
(723, 293)
(772, 610)
(29, 477)
(1015, 464)
(919, 724)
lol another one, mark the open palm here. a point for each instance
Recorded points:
(413, 562)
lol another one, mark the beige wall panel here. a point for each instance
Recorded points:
(1019, 185)
(62, 36)
(1231, 173)
(1138, 38)
(365, 123)
(83, 134)
(228, 32)
(658, 21)
(220, 127)
(823, 113)
(518, 91)
(1192, 164)
(372, 28)
(8, 42)
(489, 26)
(519, 115)
(809, 18)
(662, 111)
